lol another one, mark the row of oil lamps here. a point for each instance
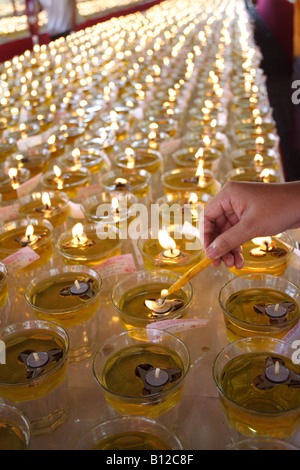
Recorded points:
(203, 110)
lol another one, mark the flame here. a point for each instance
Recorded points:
(258, 158)
(152, 135)
(200, 174)
(113, 116)
(262, 241)
(166, 241)
(12, 173)
(57, 171)
(77, 231)
(121, 181)
(199, 154)
(206, 140)
(51, 139)
(193, 199)
(115, 203)
(75, 153)
(46, 200)
(264, 175)
(29, 231)
(260, 140)
(258, 121)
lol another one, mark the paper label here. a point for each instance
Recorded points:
(87, 191)
(117, 265)
(34, 140)
(169, 147)
(174, 326)
(8, 213)
(75, 211)
(20, 259)
(27, 187)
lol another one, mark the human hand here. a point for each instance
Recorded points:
(242, 211)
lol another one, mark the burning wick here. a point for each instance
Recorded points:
(129, 152)
(46, 201)
(12, 173)
(29, 237)
(57, 178)
(121, 183)
(168, 244)
(78, 237)
(263, 248)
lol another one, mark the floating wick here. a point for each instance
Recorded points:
(276, 367)
(275, 310)
(157, 371)
(77, 284)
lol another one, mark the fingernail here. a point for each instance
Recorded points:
(211, 251)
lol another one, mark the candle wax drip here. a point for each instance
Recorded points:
(270, 377)
(160, 307)
(36, 361)
(276, 312)
(84, 294)
(153, 382)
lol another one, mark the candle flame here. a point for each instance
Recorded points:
(152, 135)
(51, 139)
(57, 171)
(258, 158)
(12, 173)
(262, 241)
(258, 121)
(260, 140)
(193, 199)
(264, 175)
(75, 153)
(77, 230)
(206, 140)
(121, 181)
(115, 203)
(29, 231)
(46, 199)
(200, 174)
(166, 241)
(199, 154)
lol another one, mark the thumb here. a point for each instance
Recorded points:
(226, 242)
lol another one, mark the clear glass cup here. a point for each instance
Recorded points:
(188, 251)
(261, 444)
(253, 405)
(15, 433)
(136, 181)
(266, 255)
(115, 368)
(129, 294)
(39, 389)
(184, 179)
(103, 242)
(129, 433)
(50, 298)
(244, 301)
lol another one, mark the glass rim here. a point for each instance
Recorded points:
(38, 195)
(86, 176)
(58, 271)
(49, 326)
(255, 276)
(24, 222)
(26, 432)
(87, 228)
(160, 273)
(128, 172)
(133, 330)
(130, 419)
(234, 343)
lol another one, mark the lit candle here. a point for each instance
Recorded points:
(169, 245)
(79, 239)
(30, 238)
(12, 173)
